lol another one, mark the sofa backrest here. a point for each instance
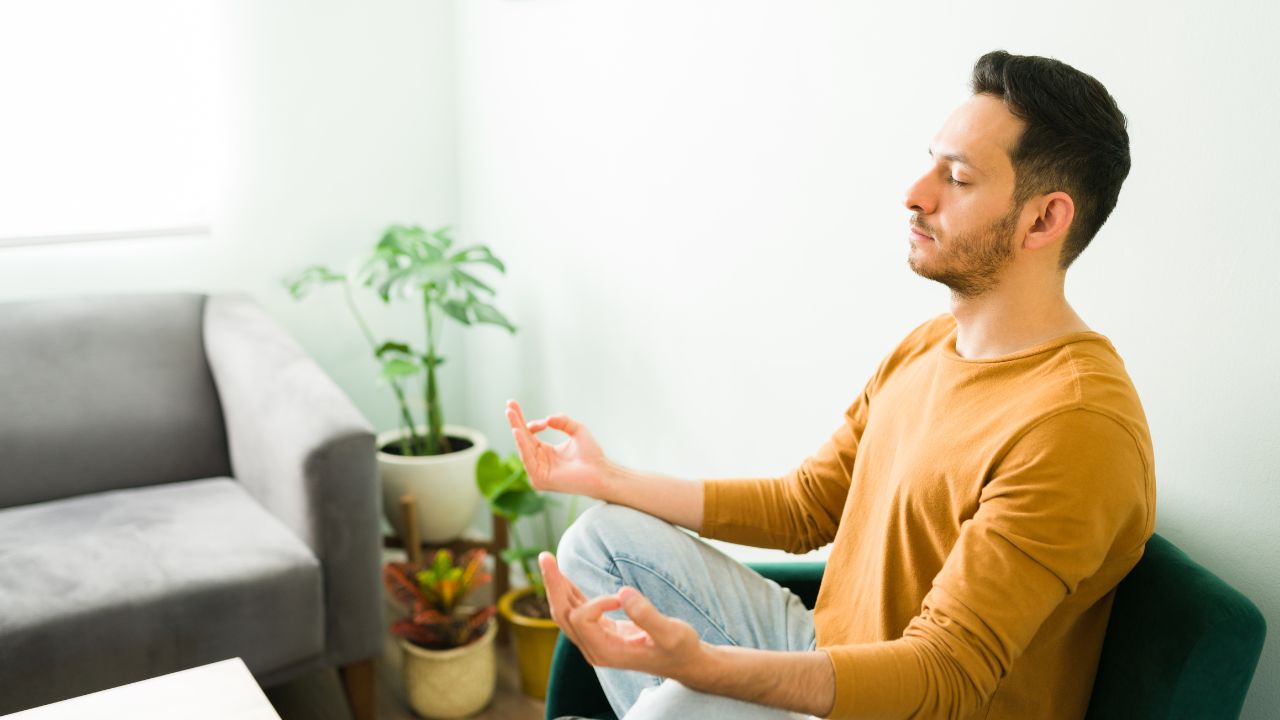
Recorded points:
(107, 392)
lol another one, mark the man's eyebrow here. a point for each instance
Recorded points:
(957, 157)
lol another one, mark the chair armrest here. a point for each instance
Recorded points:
(301, 448)
(573, 688)
(801, 578)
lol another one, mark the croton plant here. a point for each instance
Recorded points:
(434, 594)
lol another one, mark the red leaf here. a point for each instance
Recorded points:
(398, 579)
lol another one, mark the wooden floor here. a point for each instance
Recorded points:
(320, 697)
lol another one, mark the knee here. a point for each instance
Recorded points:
(601, 528)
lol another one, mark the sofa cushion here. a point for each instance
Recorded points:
(110, 588)
(102, 393)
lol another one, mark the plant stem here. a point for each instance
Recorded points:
(573, 507)
(546, 524)
(524, 561)
(364, 327)
(409, 440)
(405, 448)
(436, 442)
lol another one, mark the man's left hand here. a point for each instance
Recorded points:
(649, 642)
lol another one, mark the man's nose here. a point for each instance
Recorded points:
(920, 197)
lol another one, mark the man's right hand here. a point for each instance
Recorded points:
(576, 466)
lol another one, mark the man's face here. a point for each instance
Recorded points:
(964, 224)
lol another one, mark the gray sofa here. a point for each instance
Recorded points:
(179, 484)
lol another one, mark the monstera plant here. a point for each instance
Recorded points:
(409, 263)
(427, 458)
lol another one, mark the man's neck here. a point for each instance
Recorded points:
(1010, 318)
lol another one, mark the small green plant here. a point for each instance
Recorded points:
(504, 483)
(433, 595)
(407, 262)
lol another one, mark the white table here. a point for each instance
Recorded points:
(219, 691)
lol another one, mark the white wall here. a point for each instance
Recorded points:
(702, 203)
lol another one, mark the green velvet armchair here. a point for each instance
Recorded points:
(1181, 643)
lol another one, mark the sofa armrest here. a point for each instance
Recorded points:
(303, 450)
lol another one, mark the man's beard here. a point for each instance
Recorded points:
(970, 262)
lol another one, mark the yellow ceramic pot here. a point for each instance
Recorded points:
(535, 640)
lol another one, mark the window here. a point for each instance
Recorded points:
(105, 119)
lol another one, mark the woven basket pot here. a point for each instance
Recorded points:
(457, 683)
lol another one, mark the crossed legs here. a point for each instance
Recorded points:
(725, 601)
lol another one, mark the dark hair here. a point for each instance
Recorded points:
(1074, 140)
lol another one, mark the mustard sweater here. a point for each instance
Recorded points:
(982, 513)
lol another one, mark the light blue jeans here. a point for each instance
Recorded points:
(725, 601)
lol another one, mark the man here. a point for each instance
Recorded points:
(985, 493)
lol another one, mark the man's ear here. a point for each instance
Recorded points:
(1055, 212)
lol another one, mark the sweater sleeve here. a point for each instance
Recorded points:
(797, 512)
(1069, 495)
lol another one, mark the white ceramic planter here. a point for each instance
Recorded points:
(444, 485)
(453, 683)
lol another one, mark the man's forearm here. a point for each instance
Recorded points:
(797, 681)
(675, 500)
